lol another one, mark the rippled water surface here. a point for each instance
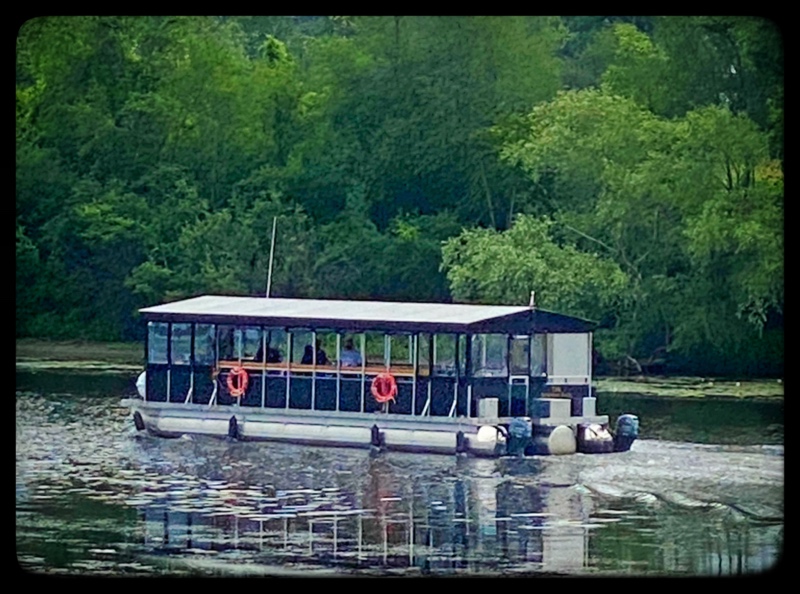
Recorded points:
(95, 498)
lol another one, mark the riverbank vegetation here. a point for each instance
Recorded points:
(35, 351)
(627, 169)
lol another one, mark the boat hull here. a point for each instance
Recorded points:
(445, 436)
(436, 435)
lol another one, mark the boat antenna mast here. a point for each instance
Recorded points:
(271, 255)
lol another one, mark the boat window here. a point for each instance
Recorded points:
(302, 351)
(518, 355)
(376, 348)
(227, 350)
(250, 342)
(157, 342)
(276, 345)
(351, 355)
(462, 354)
(181, 348)
(326, 348)
(570, 355)
(204, 339)
(401, 349)
(444, 354)
(539, 355)
(489, 355)
(424, 353)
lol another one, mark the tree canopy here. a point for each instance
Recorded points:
(627, 169)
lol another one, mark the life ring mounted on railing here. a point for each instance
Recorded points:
(384, 388)
(237, 382)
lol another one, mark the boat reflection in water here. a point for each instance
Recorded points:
(507, 525)
(501, 525)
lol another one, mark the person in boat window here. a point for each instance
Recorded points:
(273, 355)
(308, 356)
(350, 356)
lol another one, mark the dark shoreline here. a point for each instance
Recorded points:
(34, 349)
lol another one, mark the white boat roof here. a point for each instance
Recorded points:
(366, 315)
(333, 310)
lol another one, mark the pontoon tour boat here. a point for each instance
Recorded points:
(482, 380)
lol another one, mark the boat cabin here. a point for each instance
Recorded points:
(447, 360)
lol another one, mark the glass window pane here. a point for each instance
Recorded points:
(227, 351)
(351, 350)
(204, 343)
(489, 355)
(400, 351)
(181, 344)
(424, 353)
(157, 342)
(237, 343)
(302, 351)
(518, 356)
(538, 355)
(444, 354)
(251, 341)
(462, 354)
(376, 348)
(325, 348)
(570, 355)
(276, 345)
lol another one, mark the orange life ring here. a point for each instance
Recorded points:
(237, 382)
(384, 388)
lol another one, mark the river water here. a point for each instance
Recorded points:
(93, 497)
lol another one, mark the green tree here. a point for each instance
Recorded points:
(488, 266)
(422, 141)
(130, 132)
(678, 204)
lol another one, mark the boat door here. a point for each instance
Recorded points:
(518, 374)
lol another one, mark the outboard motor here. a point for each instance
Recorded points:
(519, 436)
(594, 439)
(626, 432)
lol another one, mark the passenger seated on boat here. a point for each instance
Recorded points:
(273, 355)
(350, 356)
(308, 356)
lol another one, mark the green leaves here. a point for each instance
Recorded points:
(678, 200)
(490, 267)
(638, 69)
(152, 154)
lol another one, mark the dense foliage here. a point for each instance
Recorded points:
(627, 169)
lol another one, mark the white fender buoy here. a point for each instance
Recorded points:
(141, 384)
(561, 441)
(489, 434)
